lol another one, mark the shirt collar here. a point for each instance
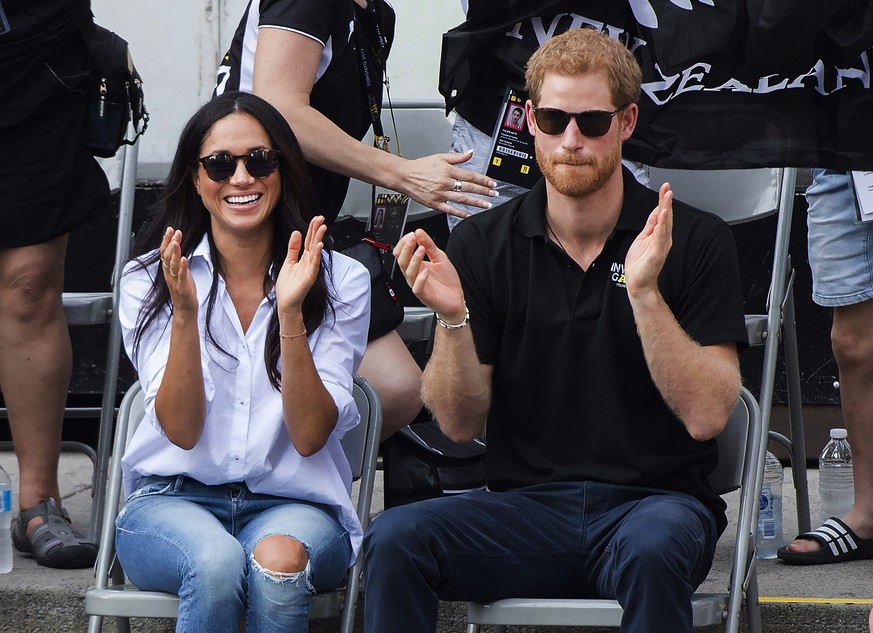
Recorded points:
(635, 210)
(203, 253)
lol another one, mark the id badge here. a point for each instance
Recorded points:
(862, 183)
(513, 157)
(4, 21)
(387, 221)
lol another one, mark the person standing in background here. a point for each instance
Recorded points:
(840, 252)
(306, 57)
(49, 185)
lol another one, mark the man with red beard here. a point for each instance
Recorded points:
(601, 358)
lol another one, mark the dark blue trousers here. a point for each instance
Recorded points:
(647, 549)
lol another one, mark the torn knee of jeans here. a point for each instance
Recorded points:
(300, 578)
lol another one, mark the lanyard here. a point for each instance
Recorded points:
(369, 66)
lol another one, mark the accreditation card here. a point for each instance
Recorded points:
(513, 157)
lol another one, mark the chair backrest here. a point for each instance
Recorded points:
(355, 443)
(733, 450)
(735, 195)
(422, 129)
(744, 195)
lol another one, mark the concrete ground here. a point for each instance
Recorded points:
(821, 599)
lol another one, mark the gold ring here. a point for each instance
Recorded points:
(174, 274)
(457, 187)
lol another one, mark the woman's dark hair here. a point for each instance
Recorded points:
(182, 208)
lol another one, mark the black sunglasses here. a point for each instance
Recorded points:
(260, 163)
(592, 123)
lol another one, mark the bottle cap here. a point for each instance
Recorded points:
(839, 434)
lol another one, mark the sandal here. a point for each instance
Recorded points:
(54, 543)
(838, 544)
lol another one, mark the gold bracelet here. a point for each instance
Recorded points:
(303, 333)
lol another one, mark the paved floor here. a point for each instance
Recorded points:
(823, 599)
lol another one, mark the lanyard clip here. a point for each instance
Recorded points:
(382, 142)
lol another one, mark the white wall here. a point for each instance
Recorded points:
(176, 46)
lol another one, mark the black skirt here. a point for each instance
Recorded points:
(49, 182)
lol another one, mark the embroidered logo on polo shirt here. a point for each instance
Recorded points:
(617, 271)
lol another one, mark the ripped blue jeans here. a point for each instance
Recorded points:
(178, 535)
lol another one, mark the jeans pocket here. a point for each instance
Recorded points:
(153, 488)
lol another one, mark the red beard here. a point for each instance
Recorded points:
(574, 176)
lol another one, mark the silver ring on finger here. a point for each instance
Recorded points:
(458, 184)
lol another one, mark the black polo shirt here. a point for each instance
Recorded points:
(572, 397)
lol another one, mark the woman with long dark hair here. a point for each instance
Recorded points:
(246, 334)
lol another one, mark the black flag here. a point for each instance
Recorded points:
(726, 83)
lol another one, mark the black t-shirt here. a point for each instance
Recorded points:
(338, 92)
(572, 397)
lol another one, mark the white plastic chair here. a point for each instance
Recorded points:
(738, 467)
(111, 596)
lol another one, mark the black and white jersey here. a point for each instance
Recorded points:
(338, 92)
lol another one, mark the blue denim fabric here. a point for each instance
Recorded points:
(647, 549)
(840, 246)
(178, 535)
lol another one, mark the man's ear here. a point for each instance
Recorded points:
(529, 116)
(629, 118)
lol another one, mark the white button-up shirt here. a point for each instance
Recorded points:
(244, 437)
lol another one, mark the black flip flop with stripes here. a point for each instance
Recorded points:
(838, 544)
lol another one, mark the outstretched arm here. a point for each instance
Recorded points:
(285, 69)
(700, 384)
(309, 410)
(456, 387)
(180, 403)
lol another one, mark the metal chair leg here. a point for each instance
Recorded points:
(795, 414)
(113, 353)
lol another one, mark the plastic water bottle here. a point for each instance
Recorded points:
(835, 481)
(5, 522)
(770, 537)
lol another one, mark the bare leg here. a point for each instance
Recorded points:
(35, 363)
(396, 377)
(852, 342)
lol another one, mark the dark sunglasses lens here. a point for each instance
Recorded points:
(219, 166)
(551, 121)
(261, 164)
(594, 124)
